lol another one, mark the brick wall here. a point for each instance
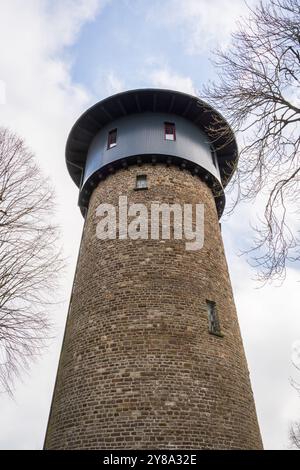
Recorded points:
(139, 368)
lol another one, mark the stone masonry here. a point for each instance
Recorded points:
(139, 368)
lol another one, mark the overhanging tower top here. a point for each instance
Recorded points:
(206, 118)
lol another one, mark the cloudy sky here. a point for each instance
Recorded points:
(57, 57)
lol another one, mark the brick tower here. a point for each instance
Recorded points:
(152, 355)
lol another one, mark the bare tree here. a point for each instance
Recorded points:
(295, 435)
(29, 258)
(258, 91)
(295, 427)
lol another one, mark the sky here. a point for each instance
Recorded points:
(58, 57)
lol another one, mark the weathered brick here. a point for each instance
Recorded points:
(138, 367)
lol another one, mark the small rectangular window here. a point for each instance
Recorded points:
(213, 320)
(112, 139)
(141, 182)
(170, 133)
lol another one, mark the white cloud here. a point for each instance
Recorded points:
(270, 325)
(114, 84)
(200, 24)
(42, 101)
(41, 98)
(67, 18)
(165, 78)
(107, 84)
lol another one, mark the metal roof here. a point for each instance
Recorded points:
(153, 100)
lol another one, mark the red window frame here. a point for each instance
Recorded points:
(112, 139)
(170, 130)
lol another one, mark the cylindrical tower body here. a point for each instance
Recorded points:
(142, 365)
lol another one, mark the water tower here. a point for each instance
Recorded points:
(152, 355)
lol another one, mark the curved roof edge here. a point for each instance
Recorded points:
(156, 100)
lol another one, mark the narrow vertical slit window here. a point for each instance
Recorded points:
(112, 139)
(141, 182)
(170, 132)
(213, 320)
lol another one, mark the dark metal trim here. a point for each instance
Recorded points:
(196, 170)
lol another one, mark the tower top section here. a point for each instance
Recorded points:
(149, 100)
(136, 115)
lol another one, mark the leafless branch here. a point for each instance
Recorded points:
(258, 91)
(30, 261)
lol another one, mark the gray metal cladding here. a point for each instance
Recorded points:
(143, 134)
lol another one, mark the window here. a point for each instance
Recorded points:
(112, 139)
(141, 182)
(213, 321)
(170, 133)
